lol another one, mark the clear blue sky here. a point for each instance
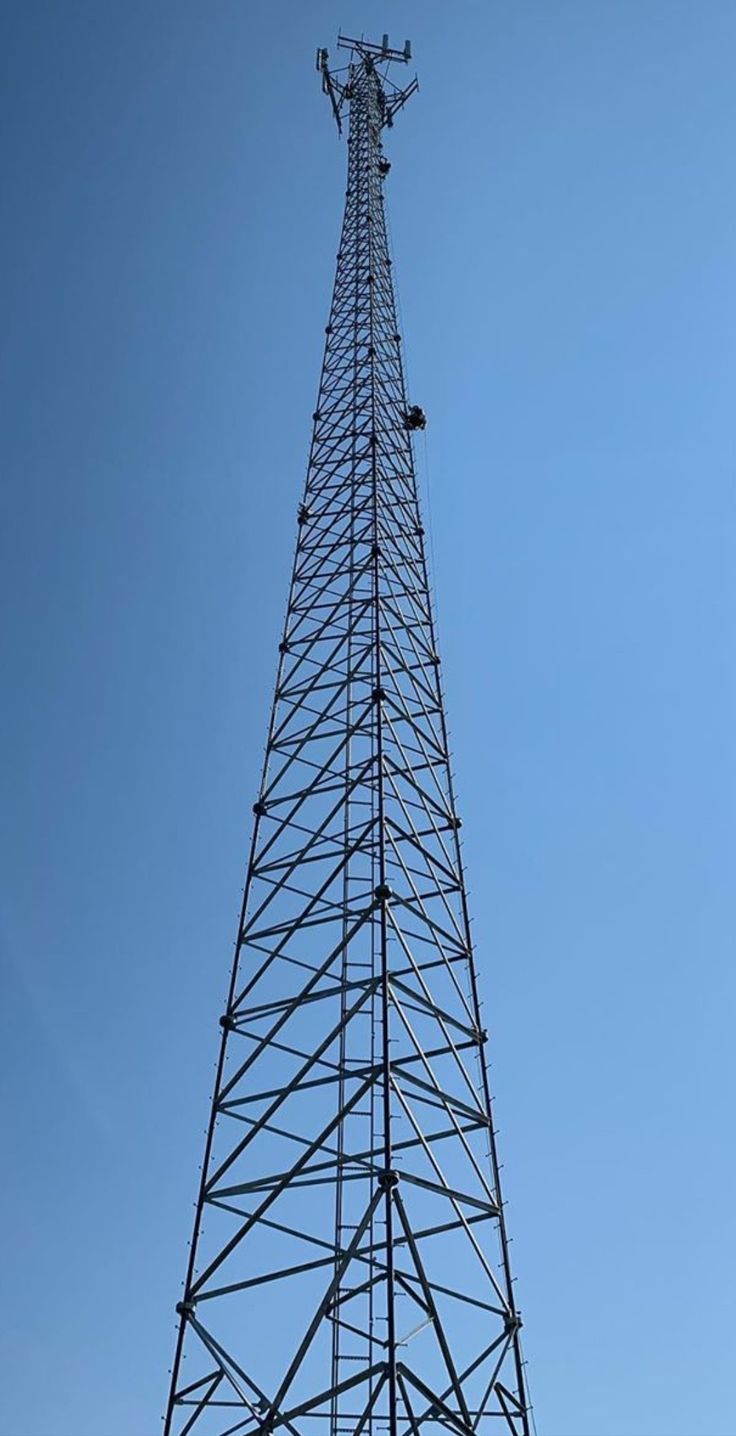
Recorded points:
(563, 210)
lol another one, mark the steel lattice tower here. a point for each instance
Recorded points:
(349, 1268)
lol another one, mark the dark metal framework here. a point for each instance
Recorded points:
(349, 1269)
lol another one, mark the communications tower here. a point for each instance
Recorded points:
(349, 1269)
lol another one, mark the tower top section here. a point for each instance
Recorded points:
(364, 54)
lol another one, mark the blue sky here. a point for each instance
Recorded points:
(564, 225)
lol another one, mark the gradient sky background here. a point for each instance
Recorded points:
(563, 210)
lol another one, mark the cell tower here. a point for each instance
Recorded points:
(349, 1268)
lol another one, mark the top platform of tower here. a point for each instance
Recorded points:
(377, 52)
(336, 83)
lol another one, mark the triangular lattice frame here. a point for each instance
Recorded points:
(349, 1270)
